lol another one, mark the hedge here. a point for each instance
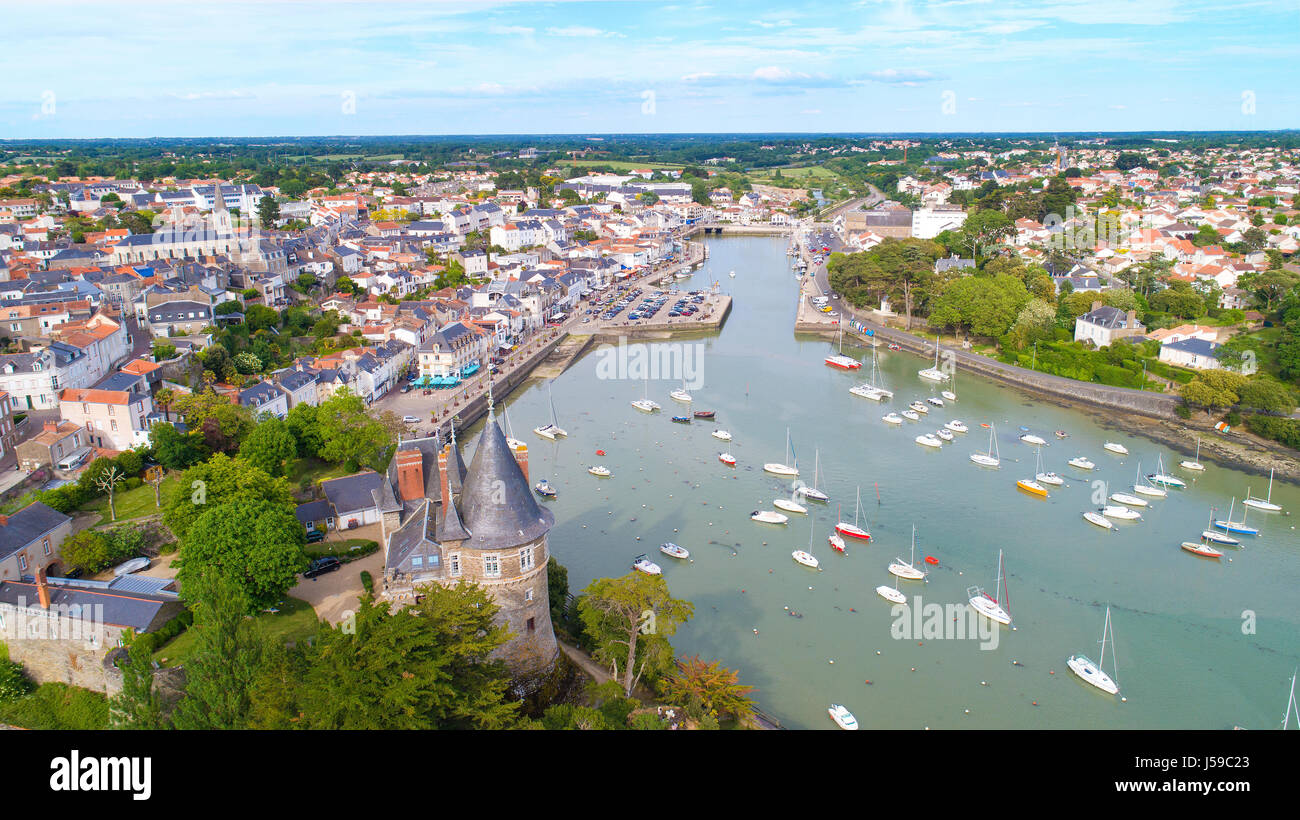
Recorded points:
(1278, 428)
(153, 640)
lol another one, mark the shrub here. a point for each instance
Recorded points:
(1183, 411)
(1283, 430)
(13, 683)
(1232, 417)
(368, 582)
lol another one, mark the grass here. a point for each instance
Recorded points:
(57, 706)
(620, 165)
(340, 549)
(131, 504)
(295, 621)
(313, 470)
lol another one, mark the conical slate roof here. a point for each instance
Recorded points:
(496, 504)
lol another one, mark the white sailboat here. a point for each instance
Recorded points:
(721, 435)
(992, 607)
(1291, 706)
(783, 468)
(908, 570)
(812, 492)
(1148, 488)
(1161, 478)
(681, 395)
(1263, 503)
(990, 458)
(891, 594)
(645, 404)
(1043, 477)
(1092, 673)
(1217, 537)
(768, 517)
(1196, 463)
(951, 394)
(789, 506)
(934, 374)
(839, 359)
(553, 429)
(806, 557)
(1128, 500)
(1098, 519)
(874, 389)
(1120, 513)
(512, 442)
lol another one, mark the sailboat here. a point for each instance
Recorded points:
(812, 492)
(1043, 477)
(644, 404)
(891, 594)
(1291, 706)
(1159, 476)
(512, 442)
(1033, 485)
(992, 607)
(992, 457)
(1148, 488)
(806, 557)
(1236, 526)
(853, 530)
(908, 570)
(873, 389)
(1196, 464)
(1217, 537)
(681, 395)
(1092, 673)
(934, 374)
(1263, 503)
(840, 360)
(553, 429)
(951, 395)
(1202, 549)
(783, 469)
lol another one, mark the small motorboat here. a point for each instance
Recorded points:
(134, 565)
(682, 419)
(944, 434)
(705, 414)
(646, 405)
(599, 471)
(892, 418)
(1082, 463)
(544, 489)
(893, 346)
(1030, 438)
(721, 435)
(1119, 513)
(768, 517)
(935, 400)
(1128, 500)
(929, 440)
(600, 452)
(930, 559)
(643, 563)
(727, 459)
(957, 426)
(790, 506)
(1062, 434)
(681, 395)
(919, 407)
(1202, 549)
(515, 444)
(843, 717)
(836, 543)
(1115, 448)
(673, 550)
(806, 558)
(1098, 519)
(1031, 486)
(911, 414)
(1049, 478)
(948, 395)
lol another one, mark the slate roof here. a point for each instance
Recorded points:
(140, 611)
(1199, 347)
(353, 493)
(26, 525)
(496, 504)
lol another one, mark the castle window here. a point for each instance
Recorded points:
(492, 566)
(532, 625)
(526, 559)
(453, 562)
(417, 561)
(528, 595)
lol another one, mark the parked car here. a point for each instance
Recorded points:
(406, 388)
(411, 419)
(320, 566)
(315, 536)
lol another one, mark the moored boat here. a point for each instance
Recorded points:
(599, 471)
(1114, 447)
(843, 717)
(721, 435)
(1098, 519)
(705, 414)
(674, 550)
(806, 558)
(892, 418)
(727, 458)
(1032, 487)
(928, 440)
(1202, 549)
(544, 489)
(1082, 463)
(768, 517)
(957, 426)
(1120, 513)
(643, 563)
(789, 506)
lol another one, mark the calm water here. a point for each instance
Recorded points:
(1183, 660)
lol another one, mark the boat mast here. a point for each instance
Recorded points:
(1290, 706)
(1113, 662)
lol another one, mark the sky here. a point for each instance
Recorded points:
(319, 67)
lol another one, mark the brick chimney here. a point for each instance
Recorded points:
(443, 455)
(42, 588)
(1132, 319)
(410, 474)
(4, 520)
(51, 426)
(1096, 305)
(521, 458)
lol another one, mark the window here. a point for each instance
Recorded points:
(46, 544)
(525, 559)
(492, 566)
(532, 625)
(528, 595)
(114, 423)
(110, 409)
(85, 408)
(22, 563)
(453, 562)
(417, 561)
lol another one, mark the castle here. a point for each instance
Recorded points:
(445, 523)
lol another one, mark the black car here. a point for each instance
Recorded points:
(315, 536)
(320, 566)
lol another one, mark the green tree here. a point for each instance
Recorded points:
(270, 446)
(220, 671)
(1268, 395)
(222, 423)
(629, 620)
(268, 211)
(173, 449)
(138, 705)
(349, 435)
(222, 480)
(258, 545)
(716, 687)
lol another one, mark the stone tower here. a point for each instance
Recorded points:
(478, 524)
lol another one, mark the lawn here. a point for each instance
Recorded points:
(295, 621)
(313, 470)
(342, 549)
(132, 503)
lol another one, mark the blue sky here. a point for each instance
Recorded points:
(198, 68)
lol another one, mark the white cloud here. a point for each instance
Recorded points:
(581, 31)
(772, 73)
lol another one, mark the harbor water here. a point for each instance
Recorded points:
(1199, 643)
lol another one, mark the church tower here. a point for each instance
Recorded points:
(221, 223)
